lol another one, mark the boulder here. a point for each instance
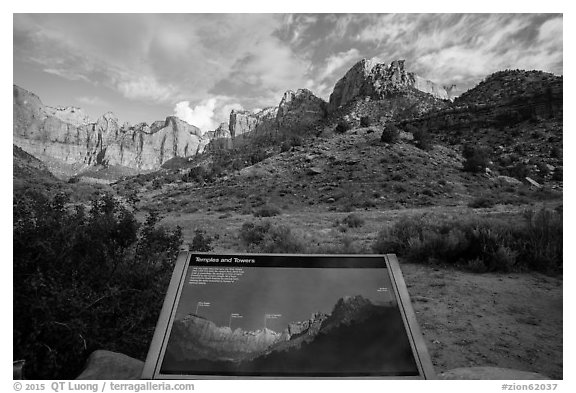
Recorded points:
(111, 365)
(533, 182)
(509, 180)
(490, 373)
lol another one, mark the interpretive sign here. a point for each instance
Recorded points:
(287, 316)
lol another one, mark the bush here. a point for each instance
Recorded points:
(265, 237)
(423, 139)
(484, 244)
(345, 246)
(294, 140)
(365, 121)
(267, 211)
(201, 242)
(342, 127)
(519, 171)
(475, 158)
(257, 156)
(197, 174)
(481, 203)
(390, 134)
(81, 278)
(556, 152)
(543, 168)
(353, 221)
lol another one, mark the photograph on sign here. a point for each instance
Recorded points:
(282, 316)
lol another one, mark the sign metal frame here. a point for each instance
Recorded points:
(184, 262)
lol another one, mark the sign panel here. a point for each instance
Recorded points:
(287, 316)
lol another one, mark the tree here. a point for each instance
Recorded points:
(423, 139)
(390, 134)
(475, 158)
(85, 279)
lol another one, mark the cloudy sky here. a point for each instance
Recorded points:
(144, 67)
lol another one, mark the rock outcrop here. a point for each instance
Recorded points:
(299, 110)
(220, 138)
(68, 135)
(367, 78)
(296, 113)
(248, 124)
(111, 365)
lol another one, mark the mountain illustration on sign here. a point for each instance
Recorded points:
(358, 337)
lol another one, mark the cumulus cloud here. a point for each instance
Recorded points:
(208, 114)
(201, 116)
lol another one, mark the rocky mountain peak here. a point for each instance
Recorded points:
(299, 110)
(368, 78)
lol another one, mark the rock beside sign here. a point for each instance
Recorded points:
(490, 373)
(111, 365)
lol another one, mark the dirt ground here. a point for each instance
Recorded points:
(467, 319)
(499, 320)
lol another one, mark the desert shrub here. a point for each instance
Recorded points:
(265, 237)
(257, 156)
(390, 134)
(519, 171)
(423, 139)
(157, 183)
(543, 168)
(475, 158)
(428, 192)
(484, 244)
(346, 245)
(556, 152)
(353, 221)
(196, 174)
(365, 121)
(236, 165)
(557, 175)
(543, 245)
(85, 279)
(253, 234)
(294, 140)
(481, 203)
(411, 128)
(342, 127)
(201, 242)
(267, 211)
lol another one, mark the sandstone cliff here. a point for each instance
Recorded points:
(299, 110)
(367, 78)
(68, 135)
(249, 124)
(296, 113)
